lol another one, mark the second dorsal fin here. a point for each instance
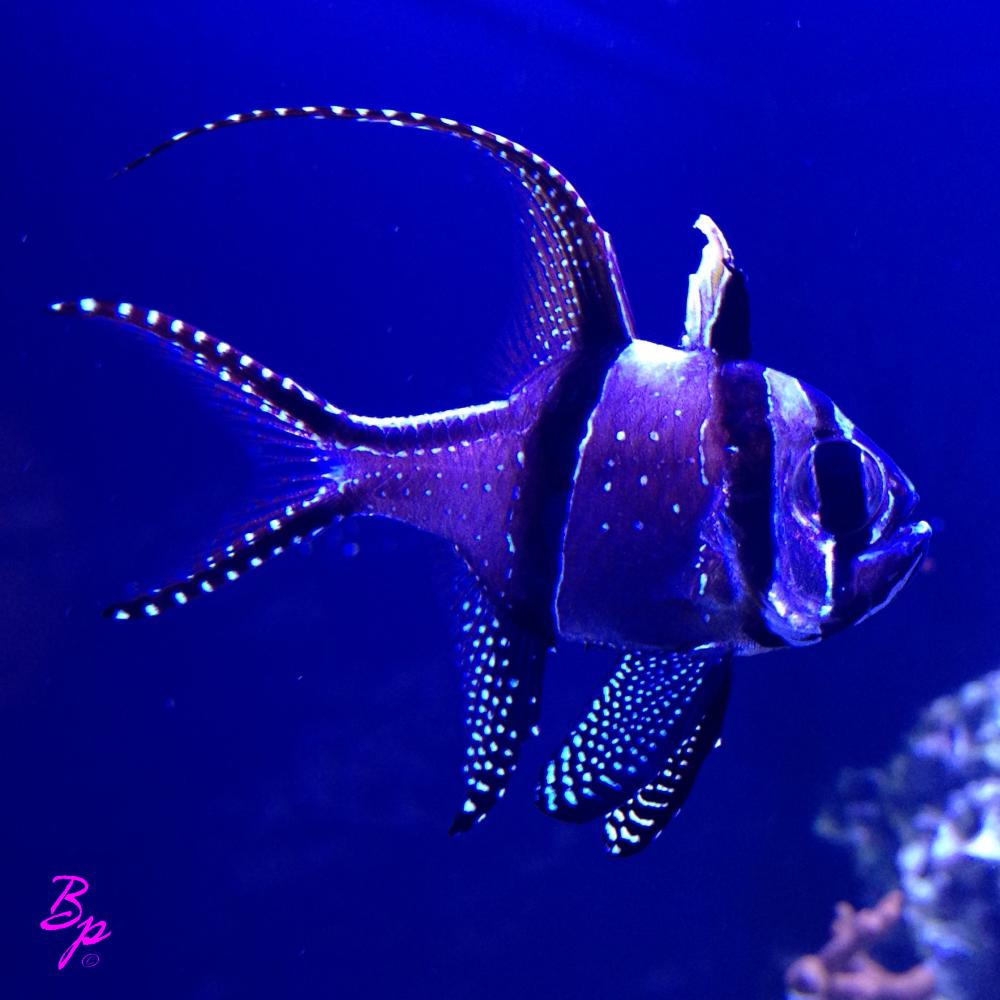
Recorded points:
(574, 300)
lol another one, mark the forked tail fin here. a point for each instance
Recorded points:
(317, 488)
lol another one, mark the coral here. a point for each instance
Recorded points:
(930, 821)
(843, 969)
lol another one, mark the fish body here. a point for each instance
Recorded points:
(680, 505)
(695, 511)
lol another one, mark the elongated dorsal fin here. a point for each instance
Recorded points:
(718, 313)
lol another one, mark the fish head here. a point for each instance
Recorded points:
(845, 538)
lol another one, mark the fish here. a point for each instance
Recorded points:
(675, 504)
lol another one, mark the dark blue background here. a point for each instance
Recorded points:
(259, 788)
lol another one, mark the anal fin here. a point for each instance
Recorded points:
(502, 678)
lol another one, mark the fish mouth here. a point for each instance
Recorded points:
(904, 538)
(905, 546)
(920, 532)
(912, 542)
(886, 569)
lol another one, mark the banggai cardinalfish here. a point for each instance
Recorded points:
(681, 505)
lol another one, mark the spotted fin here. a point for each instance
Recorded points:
(638, 822)
(647, 722)
(718, 308)
(574, 294)
(314, 488)
(502, 678)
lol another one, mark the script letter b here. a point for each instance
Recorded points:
(58, 921)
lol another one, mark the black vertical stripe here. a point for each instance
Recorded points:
(840, 485)
(731, 330)
(848, 607)
(744, 410)
(848, 604)
(552, 451)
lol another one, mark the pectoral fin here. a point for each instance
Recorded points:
(640, 744)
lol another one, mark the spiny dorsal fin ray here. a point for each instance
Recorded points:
(636, 823)
(645, 711)
(502, 678)
(718, 313)
(577, 259)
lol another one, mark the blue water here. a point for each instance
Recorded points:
(258, 788)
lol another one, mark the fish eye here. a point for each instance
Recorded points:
(841, 487)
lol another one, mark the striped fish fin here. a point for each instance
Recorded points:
(502, 678)
(718, 308)
(578, 299)
(638, 822)
(313, 488)
(280, 399)
(261, 541)
(652, 704)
